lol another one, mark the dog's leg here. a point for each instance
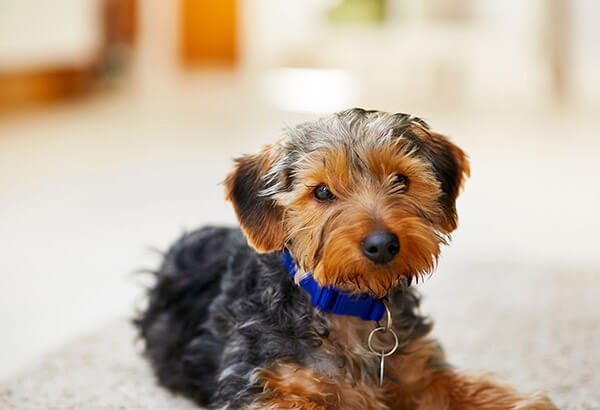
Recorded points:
(422, 380)
(290, 386)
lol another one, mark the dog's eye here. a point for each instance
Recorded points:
(323, 194)
(400, 182)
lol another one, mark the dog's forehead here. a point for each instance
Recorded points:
(354, 138)
(348, 138)
(355, 128)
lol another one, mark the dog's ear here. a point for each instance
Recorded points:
(452, 167)
(261, 218)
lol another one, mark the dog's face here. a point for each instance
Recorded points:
(363, 199)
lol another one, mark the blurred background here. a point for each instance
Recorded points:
(119, 119)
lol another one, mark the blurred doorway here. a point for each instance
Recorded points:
(208, 32)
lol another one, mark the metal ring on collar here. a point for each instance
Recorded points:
(382, 329)
(388, 324)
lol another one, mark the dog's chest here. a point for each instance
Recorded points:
(344, 353)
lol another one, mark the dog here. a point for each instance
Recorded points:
(311, 304)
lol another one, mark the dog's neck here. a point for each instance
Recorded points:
(332, 299)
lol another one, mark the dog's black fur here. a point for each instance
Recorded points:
(227, 326)
(219, 311)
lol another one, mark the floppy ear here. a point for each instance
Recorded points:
(259, 215)
(452, 167)
(450, 164)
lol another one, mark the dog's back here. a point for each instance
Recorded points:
(187, 283)
(218, 311)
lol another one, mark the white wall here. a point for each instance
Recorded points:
(586, 51)
(48, 32)
(498, 60)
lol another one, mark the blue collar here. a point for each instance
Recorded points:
(334, 300)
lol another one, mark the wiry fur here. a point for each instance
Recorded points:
(356, 153)
(228, 327)
(220, 311)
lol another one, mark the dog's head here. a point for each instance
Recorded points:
(361, 198)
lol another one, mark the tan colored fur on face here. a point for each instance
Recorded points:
(325, 237)
(357, 154)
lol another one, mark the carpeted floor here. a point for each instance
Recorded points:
(536, 327)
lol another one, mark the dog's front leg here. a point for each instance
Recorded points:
(468, 391)
(423, 381)
(291, 386)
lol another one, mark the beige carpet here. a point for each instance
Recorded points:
(102, 370)
(536, 327)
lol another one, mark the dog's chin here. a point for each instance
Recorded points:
(344, 266)
(371, 290)
(380, 288)
(371, 283)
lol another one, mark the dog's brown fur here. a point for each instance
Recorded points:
(324, 238)
(418, 379)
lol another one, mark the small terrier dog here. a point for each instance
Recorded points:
(311, 307)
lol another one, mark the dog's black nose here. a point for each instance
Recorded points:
(380, 246)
